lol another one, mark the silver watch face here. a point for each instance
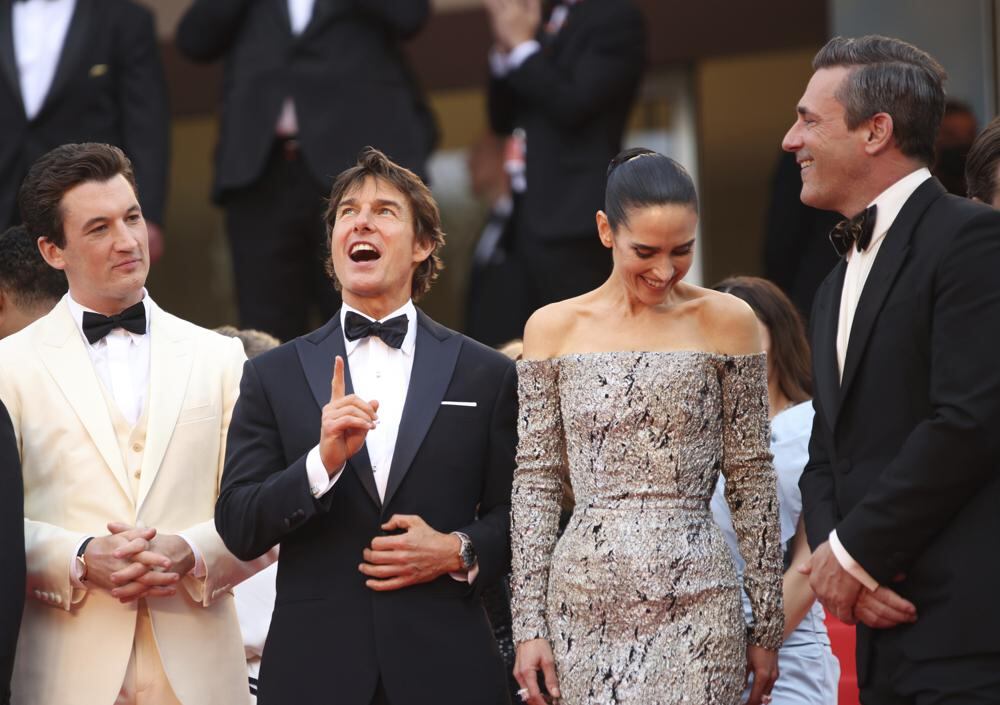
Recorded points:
(468, 553)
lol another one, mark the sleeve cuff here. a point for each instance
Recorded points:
(519, 54)
(199, 570)
(320, 481)
(468, 576)
(498, 63)
(851, 565)
(75, 569)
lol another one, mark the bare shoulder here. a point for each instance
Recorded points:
(546, 328)
(729, 324)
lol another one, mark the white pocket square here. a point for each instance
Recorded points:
(458, 403)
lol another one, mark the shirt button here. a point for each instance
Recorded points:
(137, 474)
(137, 447)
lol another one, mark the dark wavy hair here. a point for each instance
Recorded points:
(426, 217)
(789, 355)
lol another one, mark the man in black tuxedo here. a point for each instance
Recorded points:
(373, 483)
(83, 71)
(12, 571)
(902, 486)
(307, 85)
(563, 83)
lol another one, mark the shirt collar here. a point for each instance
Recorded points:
(76, 310)
(409, 342)
(891, 201)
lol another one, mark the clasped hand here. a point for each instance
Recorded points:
(418, 555)
(848, 600)
(133, 562)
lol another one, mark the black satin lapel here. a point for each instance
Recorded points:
(71, 58)
(890, 258)
(317, 352)
(433, 365)
(8, 63)
(827, 315)
(322, 10)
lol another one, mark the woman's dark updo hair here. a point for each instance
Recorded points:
(638, 178)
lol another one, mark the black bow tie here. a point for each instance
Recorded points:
(391, 332)
(132, 319)
(855, 231)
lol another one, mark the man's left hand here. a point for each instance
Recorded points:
(147, 576)
(418, 555)
(835, 588)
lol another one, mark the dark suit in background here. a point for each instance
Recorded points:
(12, 570)
(351, 87)
(904, 451)
(572, 100)
(109, 87)
(331, 636)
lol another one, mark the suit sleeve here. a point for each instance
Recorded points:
(952, 453)
(222, 569)
(604, 72)
(819, 502)
(262, 498)
(209, 28)
(12, 572)
(144, 110)
(491, 533)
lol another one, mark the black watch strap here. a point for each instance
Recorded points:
(83, 546)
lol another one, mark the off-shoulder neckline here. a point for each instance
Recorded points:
(600, 353)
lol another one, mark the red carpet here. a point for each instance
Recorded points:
(842, 642)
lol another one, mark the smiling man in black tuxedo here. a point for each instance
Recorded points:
(902, 486)
(368, 448)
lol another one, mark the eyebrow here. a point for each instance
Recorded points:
(102, 218)
(654, 248)
(376, 202)
(804, 111)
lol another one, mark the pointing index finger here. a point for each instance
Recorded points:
(337, 386)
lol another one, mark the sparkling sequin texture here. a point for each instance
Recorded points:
(639, 599)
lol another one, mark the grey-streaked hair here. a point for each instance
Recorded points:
(890, 76)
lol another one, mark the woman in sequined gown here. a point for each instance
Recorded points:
(645, 389)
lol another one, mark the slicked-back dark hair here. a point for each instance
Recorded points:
(638, 178)
(24, 275)
(890, 76)
(373, 164)
(60, 170)
(981, 163)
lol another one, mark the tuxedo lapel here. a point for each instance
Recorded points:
(434, 362)
(890, 258)
(171, 356)
(62, 351)
(826, 318)
(78, 37)
(317, 352)
(8, 62)
(281, 12)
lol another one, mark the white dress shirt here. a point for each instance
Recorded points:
(859, 265)
(121, 361)
(40, 28)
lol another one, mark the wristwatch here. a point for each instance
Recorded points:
(81, 557)
(467, 552)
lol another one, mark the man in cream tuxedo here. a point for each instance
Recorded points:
(120, 413)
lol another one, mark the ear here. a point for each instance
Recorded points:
(879, 134)
(604, 230)
(422, 249)
(51, 253)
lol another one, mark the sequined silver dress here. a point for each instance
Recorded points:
(639, 598)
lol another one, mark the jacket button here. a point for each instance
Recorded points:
(288, 523)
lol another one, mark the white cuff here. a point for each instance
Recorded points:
(199, 570)
(498, 63)
(75, 569)
(851, 565)
(468, 576)
(519, 54)
(320, 481)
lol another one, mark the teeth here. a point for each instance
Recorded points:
(362, 247)
(805, 162)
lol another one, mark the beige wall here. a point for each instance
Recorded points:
(745, 105)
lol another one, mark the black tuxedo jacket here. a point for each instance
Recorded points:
(346, 74)
(572, 99)
(108, 87)
(12, 570)
(904, 451)
(429, 643)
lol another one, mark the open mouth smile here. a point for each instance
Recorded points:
(363, 252)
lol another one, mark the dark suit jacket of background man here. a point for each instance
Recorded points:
(108, 87)
(12, 570)
(904, 453)
(429, 643)
(572, 99)
(345, 73)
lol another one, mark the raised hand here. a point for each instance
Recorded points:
(514, 21)
(345, 423)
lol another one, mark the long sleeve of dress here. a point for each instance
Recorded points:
(751, 492)
(536, 495)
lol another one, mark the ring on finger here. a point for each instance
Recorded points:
(523, 694)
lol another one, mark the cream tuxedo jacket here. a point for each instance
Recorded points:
(74, 645)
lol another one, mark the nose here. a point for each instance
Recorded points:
(125, 238)
(792, 141)
(362, 221)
